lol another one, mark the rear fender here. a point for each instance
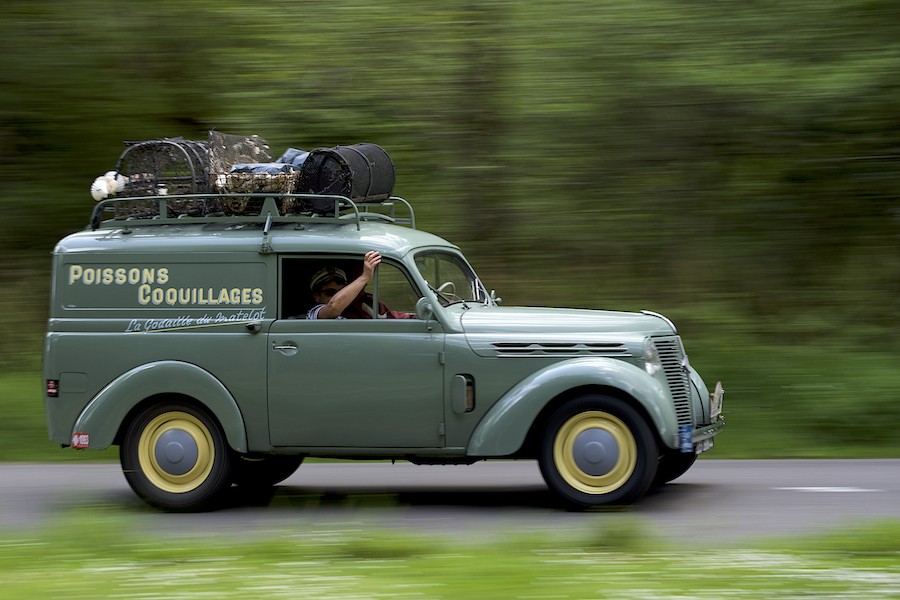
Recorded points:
(104, 415)
(503, 429)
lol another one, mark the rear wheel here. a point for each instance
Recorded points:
(597, 450)
(174, 456)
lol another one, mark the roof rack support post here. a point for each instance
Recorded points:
(411, 221)
(266, 246)
(340, 201)
(270, 207)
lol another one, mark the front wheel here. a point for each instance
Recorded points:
(672, 465)
(597, 450)
(174, 456)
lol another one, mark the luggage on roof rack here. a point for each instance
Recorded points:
(176, 166)
(361, 172)
(229, 174)
(169, 166)
(173, 166)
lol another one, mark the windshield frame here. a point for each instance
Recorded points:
(477, 293)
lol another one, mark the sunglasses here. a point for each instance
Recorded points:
(329, 292)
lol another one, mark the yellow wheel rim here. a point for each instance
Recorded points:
(176, 452)
(595, 452)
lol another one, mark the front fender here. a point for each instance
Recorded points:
(503, 429)
(103, 416)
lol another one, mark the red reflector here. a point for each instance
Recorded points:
(53, 388)
(81, 440)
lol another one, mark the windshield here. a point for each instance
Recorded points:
(450, 278)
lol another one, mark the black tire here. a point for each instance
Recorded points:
(264, 471)
(597, 450)
(175, 457)
(672, 465)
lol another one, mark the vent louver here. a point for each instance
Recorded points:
(671, 353)
(560, 349)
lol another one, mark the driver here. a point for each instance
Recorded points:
(337, 299)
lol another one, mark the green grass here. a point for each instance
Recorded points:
(97, 553)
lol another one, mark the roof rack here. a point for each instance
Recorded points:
(267, 208)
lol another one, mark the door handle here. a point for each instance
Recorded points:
(288, 349)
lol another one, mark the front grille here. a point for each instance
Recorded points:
(560, 349)
(671, 353)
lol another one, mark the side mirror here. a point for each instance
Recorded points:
(424, 309)
(495, 298)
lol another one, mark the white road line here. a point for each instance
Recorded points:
(827, 490)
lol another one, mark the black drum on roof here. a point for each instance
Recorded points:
(361, 172)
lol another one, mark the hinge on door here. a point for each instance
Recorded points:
(442, 430)
(441, 357)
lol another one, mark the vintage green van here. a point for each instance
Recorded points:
(180, 336)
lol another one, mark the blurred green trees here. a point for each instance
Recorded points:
(733, 164)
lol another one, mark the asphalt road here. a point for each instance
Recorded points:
(719, 501)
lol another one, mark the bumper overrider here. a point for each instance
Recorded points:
(700, 439)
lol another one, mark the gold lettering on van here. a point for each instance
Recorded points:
(151, 290)
(117, 276)
(149, 295)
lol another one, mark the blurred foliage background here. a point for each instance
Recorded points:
(733, 165)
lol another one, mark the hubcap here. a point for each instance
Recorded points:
(595, 452)
(176, 452)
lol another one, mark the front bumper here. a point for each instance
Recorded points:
(700, 439)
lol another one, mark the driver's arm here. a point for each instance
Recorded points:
(341, 300)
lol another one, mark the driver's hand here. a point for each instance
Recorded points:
(370, 261)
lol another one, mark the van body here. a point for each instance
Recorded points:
(184, 341)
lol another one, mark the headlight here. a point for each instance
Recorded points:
(652, 364)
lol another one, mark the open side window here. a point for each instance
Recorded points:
(391, 285)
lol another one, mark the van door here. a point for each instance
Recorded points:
(358, 383)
